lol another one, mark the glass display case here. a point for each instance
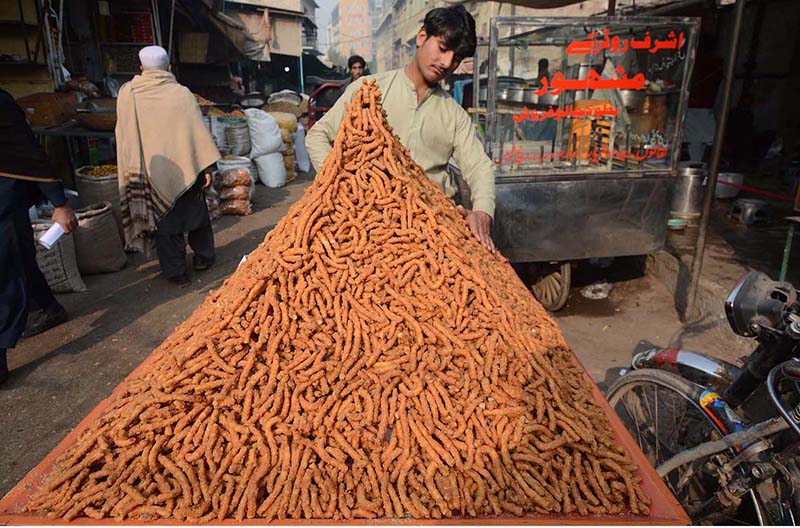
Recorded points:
(583, 119)
(587, 95)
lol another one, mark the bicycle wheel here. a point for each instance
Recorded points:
(658, 411)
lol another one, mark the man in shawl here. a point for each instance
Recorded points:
(25, 177)
(165, 156)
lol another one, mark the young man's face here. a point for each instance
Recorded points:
(434, 60)
(356, 70)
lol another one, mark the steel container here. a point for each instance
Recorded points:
(687, 198)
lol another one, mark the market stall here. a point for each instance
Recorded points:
(583, 120)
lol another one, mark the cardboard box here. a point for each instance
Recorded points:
(49, 109)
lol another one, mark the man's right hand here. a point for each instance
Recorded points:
(480, 224)
(209, 181)
(65, 216)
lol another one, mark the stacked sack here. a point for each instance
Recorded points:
(237, 186)
(212, 197)
(266, 145)
(218, 122)
(288, 126)
(286, 101)
(301, 158)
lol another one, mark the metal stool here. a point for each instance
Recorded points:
(750, 211)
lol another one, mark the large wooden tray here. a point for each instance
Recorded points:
(664, 510)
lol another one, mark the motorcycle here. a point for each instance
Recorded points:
(725, 439)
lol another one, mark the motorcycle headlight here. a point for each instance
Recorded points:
(758, 302)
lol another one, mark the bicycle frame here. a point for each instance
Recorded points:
(693, 366)
(747, 441)
(703, 371)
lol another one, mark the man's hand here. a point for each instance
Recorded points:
(208, 181)
(480, 224)
(65, 216)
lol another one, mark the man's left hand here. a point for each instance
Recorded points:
(480, 224)
(208, 181)
(65, 216)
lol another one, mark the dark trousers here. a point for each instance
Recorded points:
(171, 249)
(188, 215)
(23, 287)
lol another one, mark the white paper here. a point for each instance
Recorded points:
(51, 236)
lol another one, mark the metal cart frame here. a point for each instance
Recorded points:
(563, 211)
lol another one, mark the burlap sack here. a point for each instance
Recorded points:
(97, 244)
(93, 190)
(58, 264)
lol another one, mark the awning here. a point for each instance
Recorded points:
(247, 31)
(286, 35)
(543, 4)
(258, 34)
(291, 6)
(313, 67)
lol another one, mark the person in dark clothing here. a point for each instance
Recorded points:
(25, 178)
(189, 215)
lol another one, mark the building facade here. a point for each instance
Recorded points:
(309, 28)
(397, 28)
(333, 34)
(355, 36)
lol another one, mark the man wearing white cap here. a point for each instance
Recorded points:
(165, 156)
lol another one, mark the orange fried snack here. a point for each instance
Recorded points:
(369, 360)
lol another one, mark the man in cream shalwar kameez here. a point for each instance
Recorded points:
(165, 156)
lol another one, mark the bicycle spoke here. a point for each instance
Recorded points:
(658, 437)
(634, 418)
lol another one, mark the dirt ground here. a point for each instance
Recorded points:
(59, 376)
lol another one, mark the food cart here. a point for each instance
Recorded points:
(583, 120)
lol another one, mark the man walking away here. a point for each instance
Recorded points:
(165, 157)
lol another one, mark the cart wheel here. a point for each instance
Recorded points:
(551, 285)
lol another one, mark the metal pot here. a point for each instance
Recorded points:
(530, 96)
(547, 100)
(687, 198)
(514, 93)
(253, 100)
(632, 99)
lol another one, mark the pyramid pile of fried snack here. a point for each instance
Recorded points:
(369, 360)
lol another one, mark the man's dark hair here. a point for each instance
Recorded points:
(455, 26)
(355, 59)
